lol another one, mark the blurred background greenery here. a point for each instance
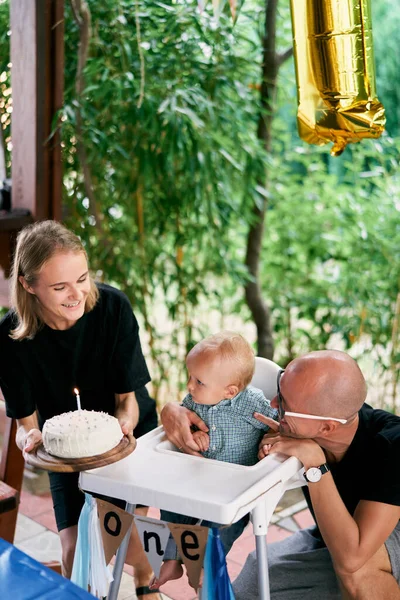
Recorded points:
(185, 176)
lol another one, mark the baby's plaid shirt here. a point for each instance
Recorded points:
(234, 433)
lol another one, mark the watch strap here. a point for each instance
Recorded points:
(324, 468)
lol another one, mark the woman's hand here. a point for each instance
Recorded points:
(32, 441)
(126, 425)
(127, 412)
(177, 421)
(29, 436)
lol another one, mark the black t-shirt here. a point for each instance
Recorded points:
(370, 469)
(100, 355)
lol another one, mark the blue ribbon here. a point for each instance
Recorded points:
(80, 570)
(216, 582)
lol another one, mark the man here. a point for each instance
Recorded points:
(351, 455)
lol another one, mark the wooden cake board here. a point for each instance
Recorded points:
(43, 460)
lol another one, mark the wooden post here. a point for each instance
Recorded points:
(37, 80)
(11, 472)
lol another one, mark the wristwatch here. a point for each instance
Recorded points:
(314, 474)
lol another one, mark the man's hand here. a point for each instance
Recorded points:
(272, 424)
(177, 421)
(32, 440)
(264, 447)
(307, 451)
(202, 439)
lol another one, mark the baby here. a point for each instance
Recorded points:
(220, 369)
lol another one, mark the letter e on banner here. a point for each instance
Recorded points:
(191, 541)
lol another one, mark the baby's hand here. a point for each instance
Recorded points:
(202, 440)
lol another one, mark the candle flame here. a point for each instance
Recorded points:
(78, 398)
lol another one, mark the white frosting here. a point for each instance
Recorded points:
(81, 433)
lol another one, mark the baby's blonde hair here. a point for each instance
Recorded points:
(231, 346)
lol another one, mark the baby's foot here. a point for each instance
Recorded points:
(170, 569)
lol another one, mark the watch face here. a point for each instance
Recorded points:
(314, 474)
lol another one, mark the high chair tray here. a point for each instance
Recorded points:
(158, 475)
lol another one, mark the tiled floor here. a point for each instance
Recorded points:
(36, 535)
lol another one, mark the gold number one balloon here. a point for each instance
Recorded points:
(335, 72)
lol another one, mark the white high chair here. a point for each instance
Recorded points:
(157, 474)
(265, 376)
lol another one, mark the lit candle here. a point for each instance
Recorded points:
(78, 398)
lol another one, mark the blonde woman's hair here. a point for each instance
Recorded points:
(231, 346)
(36, 244)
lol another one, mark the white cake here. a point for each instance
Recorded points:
(81, 433)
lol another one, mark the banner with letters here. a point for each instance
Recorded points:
(153, 535)
(114, 524)
(193, 543)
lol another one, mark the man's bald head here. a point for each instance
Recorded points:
(326, 383)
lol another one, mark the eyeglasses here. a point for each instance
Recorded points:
(282, 412)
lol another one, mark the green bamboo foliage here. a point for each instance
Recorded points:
(167, 122)
(171, 157)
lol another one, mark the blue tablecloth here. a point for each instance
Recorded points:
(23, 578)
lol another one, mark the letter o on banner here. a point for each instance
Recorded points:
(112, 523)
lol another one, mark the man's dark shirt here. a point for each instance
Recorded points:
(370, 469)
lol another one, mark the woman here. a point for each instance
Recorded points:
(65, 331)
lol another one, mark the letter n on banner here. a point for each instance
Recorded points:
(154, 536)
(114, 523)
(191, 541)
